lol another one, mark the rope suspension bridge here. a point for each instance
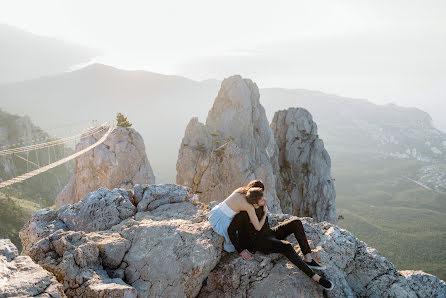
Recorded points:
(30, 153)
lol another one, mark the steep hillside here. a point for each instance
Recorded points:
(14, 213)
(404, 221)
(17, 131)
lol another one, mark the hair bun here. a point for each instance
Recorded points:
(254, 188)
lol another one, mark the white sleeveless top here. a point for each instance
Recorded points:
(227, 210)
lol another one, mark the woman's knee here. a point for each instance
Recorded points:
(287, 247)
(297, 223)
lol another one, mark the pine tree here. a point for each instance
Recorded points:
(122, 121)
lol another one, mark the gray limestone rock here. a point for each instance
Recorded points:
(424, 284)
(304, 186)
(42, 224)
(119, 162)
(99, 210)
(170, 255)
(356, 269)
(150, 197)
(21, 277)
(235, 146)
(168, 249)
(106, 249)
(8, 249)
(263, 276)
(76, 261)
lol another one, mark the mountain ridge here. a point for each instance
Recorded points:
(100, 91)
(26, 55)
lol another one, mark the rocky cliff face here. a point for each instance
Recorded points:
(235, 145)
(120, 161)
(304, 186)
(156, 241)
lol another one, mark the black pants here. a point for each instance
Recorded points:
(274, 242)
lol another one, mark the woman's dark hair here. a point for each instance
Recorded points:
(254, 183)
(254, 194)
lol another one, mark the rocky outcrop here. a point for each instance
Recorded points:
(235, 145)
(164, 246)
(151, 242)
(425, 285)
(356, 269)
(120, 161)
(21, 277)
(8, 249)
(304, 186)
(263, 276)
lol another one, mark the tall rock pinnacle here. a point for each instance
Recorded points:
(304, 186)
(235, 146)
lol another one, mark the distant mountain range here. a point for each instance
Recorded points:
(358, 127)
(160, 106)
(25, 56)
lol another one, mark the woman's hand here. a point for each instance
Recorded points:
(246, 255)
(265, 208)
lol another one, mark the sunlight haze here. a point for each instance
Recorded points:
(378, 50)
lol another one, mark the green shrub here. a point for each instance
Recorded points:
(122, 121)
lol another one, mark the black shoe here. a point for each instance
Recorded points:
(314, 265)
(326, 284)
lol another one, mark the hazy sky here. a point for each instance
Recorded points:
(385, 51)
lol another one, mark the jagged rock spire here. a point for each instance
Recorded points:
(235, 146)
(304, 185)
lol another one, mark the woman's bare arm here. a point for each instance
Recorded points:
(254, 220)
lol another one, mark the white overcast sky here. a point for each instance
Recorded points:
(385, 51)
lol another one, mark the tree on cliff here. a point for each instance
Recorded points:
(122, 120)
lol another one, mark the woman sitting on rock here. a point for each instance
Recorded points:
(242, 199)
(246, 240)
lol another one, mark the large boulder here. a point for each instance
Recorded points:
(235, 145)
(305, 186)
(42, 224)
(119, 162)
(153, 241)
(21, 277)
